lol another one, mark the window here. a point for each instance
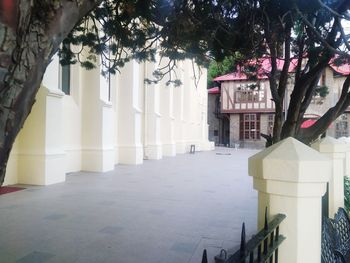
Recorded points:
(249, 127)
(216, 133)
(65, 68)
(341, 126)
(65, 79)
(105, 79)
(249, 93)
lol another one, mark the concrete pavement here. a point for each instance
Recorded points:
(161, 211)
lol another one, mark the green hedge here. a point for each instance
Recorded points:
(347, 194)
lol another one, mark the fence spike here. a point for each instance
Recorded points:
(251, 257)
(266, 226)
(204, 257)
(242, 248)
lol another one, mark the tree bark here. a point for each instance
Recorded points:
(310, 134)
(298, 94)
(27, 44)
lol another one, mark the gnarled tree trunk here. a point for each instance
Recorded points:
(30, 34)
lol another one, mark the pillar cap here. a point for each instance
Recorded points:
(329, 145)
(290, 161)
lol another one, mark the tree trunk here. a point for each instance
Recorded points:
(28, 40)
(313, 132)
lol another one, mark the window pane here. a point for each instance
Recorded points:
(252, 135)
(66, 79)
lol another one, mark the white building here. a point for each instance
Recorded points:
(82, 121)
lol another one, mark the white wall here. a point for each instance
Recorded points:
(85, 131)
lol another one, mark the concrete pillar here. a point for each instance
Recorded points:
(115, 102)
(41, 156)
(39, 151)
(11, 176)
(98, 153)
(291, 179)
(167, 120)
(72, 121)
(130, 114)
(334, 149)
(179, 113)
(153, 147)
(188, 104)
(346, 141)
(205, 144)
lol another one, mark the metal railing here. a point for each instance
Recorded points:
(263, 247)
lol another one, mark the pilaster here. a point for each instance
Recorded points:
(41, 157)
(130, 114)
(152, 143)
(98, 153)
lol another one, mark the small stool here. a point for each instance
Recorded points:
(193, 148)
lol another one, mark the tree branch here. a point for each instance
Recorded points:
(319, 37)
(332, 11)
(321, 125)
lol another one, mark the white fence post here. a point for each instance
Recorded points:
(334, 149)
(291, 179)
(346, 141)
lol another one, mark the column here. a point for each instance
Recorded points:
(205, 144)
(98, 152)
(114, 93)
(179, 112)
(153, 146)
(291, 179)
(187, 104)
(130, 114)
(335, 150)
(41, 156)
(167, 120)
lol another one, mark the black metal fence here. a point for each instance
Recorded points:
(263, 247)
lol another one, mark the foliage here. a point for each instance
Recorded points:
(112, 34)
(322, 91)
(347, 194)
(305, 35)
(217, 68)
(308, 37)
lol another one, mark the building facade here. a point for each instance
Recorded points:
(241, 109)
(84, 121)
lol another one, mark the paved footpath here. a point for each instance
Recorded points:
(162, 211)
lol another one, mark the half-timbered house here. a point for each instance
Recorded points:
(241, 107)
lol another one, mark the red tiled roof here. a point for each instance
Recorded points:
(265, 68)
(342, 69)
(308, 123)
(214, 90)
(236, 76)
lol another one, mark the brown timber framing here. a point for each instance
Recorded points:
(249, 107)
